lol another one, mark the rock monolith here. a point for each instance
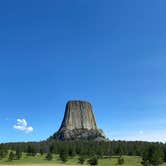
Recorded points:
(79, 123)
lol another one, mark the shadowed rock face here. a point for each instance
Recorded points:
(79, 123)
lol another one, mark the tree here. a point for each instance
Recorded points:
(18, 154)
(49, 156)
(120, 161)
(157, 157)
(72, 152)
(31, 150)
(1, 154)
(164, 150)
(41, 151)
(93, 161)
(63, 155)
(11, 156)
(119, 151)
(153, 155)
(52, 148)
(81, 159)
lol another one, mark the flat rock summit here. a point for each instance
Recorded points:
(79, 123)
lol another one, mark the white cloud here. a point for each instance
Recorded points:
(23, 126)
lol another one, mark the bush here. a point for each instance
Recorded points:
(145, 163)
(81, 159)
(49, 156)
(120, 161)
(93, 161)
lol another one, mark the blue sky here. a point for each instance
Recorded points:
(110, 53)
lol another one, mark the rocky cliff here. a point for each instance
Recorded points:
(79, 123)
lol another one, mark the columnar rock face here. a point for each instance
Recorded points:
(79, 123)
(79, 115)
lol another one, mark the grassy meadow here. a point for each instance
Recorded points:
(40, 160)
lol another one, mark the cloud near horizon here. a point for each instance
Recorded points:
(23, 126)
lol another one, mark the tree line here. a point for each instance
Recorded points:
(151, 153)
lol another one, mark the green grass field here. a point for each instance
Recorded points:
(40, 160)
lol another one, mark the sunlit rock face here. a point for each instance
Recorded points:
(79, 123)
(79, 115)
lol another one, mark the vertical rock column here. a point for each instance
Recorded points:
(78, 115)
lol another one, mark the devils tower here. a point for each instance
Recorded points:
(79, 123)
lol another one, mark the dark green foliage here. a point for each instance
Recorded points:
(153, 155)
(63, 155)
(72, 152)
(31, 150)
(3, 151)
(120, 161)
(41, 151)
(119, 150)
(18, 154)
(3, 154)
(81, 159)
(164, 150)
(145, 162)
(93, 161)
(53, 148)
(49, 156)
(11, 156)
(82, 148)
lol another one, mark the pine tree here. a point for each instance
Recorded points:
(153, 155)
(63, 155)
(18, 154)
(41, 151)
(11, 156)
(72, 152)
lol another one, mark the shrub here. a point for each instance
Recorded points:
(120, 161)
(49, 156)
(93, 161)
(81, 159)
(145, 163)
